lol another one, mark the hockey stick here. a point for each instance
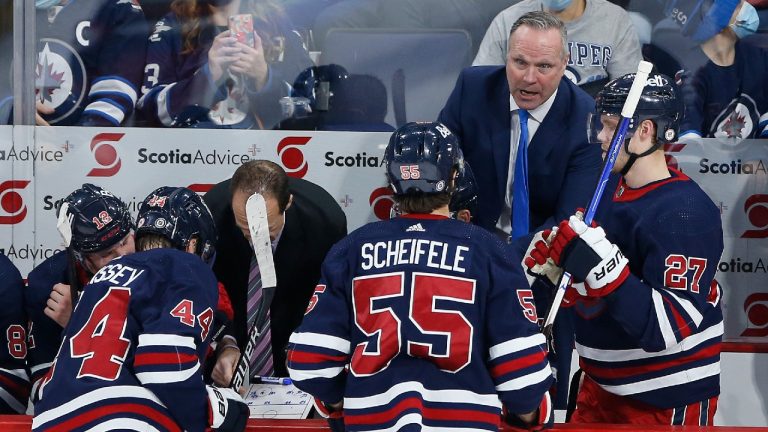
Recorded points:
(64, 226)
(256, 213)
(627, 111)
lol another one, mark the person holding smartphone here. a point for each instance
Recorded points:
(199, 73)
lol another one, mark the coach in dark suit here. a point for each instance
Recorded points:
(562, 166)
(313, 223)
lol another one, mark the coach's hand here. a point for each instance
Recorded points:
(59, 304)
(589, 257)
(227, 410)
(537, 262)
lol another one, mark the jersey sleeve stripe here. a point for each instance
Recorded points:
(682, 326)
(106, 109)
(124, 424)
(149, 359)
(617, 372)
(93, 397)
(18, 373)
(312, 358)
(166, 376)
(427, 413)
(321, 341)
(43, 367)
(526, 380)
(113, 84)
(673, 379)
(91, 415)
(518, 344)
(661, 317)
(454, 396)
(518, 364)
(165, 340)
(302, 375)
(636, 354)
(688, 307)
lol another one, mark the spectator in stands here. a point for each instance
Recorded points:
(199, 74)
(90, 60)
(101, 229)
(14, 378)
(602, 42)
(727, 98)
(304, 222)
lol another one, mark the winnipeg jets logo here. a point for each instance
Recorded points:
(417, 227)
(59, 79)
(160, 27)
(738, 120)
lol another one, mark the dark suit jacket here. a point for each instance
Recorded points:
(313, 223)
(562, 167)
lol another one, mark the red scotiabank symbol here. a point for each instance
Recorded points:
(105, 154)
(381, 201)
(12, 205)
(200, 188)
(291, 155)
(756, 309)
(756, 209)
(672, 148)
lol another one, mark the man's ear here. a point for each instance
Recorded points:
(290, 201)
(192, 245)
(464, 215)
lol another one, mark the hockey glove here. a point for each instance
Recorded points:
(227, 412)
(589, 257)
(538, 420)
(537, 262)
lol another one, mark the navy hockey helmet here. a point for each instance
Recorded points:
(99, 219)
(318, 83)
(178, 214)
(465, 194)
(421, 157)
(659, 102)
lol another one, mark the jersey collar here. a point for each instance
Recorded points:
(625, 193)
(429, 216)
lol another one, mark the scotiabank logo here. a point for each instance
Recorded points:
(381, 202)
(292, 157)
(105, 154)
(756, 209)
(756, 309)
(12, 207)
(200, 188)
(669, 149)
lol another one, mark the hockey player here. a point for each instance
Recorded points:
(102, 229)
(90, 61)
(14, 380)
(131, 356)
(429, 315)
(647, 318)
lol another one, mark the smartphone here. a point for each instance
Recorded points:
(241, 27)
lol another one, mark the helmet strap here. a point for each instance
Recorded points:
(634, 156)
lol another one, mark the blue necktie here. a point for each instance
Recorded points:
(520, 218)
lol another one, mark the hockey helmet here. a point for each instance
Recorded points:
(659, 102)
(178, 214)
(99, 219)
(421, 157)
(318, 83)
(465, 194)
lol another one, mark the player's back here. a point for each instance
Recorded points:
(436, 307)
(139, 329)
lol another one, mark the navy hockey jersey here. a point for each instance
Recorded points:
(729, 101)
(44, 333)
(657, 338)
(14, 380)
(90, 59)
(132, 350)
(179, 90)
(435, 323)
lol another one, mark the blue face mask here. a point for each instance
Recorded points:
(45, 4)
(747, 21)
(556, 5)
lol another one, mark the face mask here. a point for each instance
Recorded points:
(45, 4)
(746, 22)
(556, 5)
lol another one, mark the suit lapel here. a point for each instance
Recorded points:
(500, 133)
(551, 130)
